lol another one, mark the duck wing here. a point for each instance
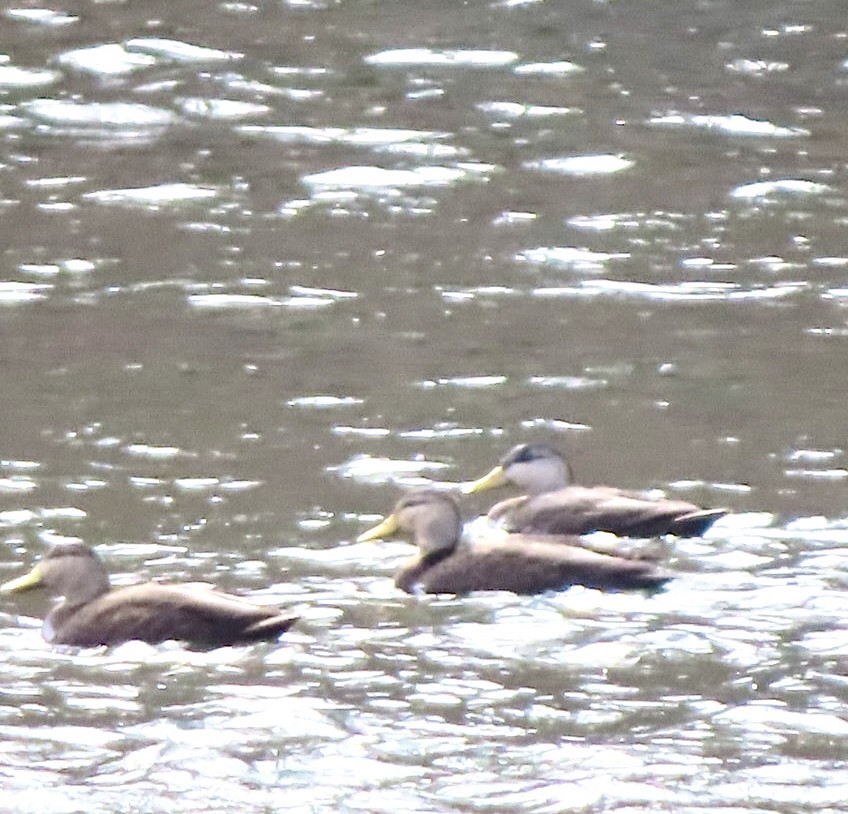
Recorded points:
(583, 509)
(155, 613)
(527, 566)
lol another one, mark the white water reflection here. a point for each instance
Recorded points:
(689, 291)
(370, 177)
(63, 113)
(234, 388)
(178, 51)
(559, 68)
(16, 78)
(375, 470)
(427, 57)
(17, 483)
(582, 165)
(355, 136)
(154, 197)
(732, 125)
(305, 299)
(777, 188)
(757, 67)
(13, 292)
(516, 110)
(222, 109)
(109, 59)
(40, 16)
(572, 257)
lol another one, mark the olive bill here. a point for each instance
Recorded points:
(31, 580)
(491, 480)
(385, 528)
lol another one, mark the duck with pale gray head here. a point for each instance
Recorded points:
(552, 505)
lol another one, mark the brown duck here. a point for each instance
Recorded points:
(518, 563)
(92, 613)
(551, 505)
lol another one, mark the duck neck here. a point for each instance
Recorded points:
(439, 535)
(410, 575)
(86, 587)
(429, 559)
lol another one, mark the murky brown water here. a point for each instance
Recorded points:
(263, 264)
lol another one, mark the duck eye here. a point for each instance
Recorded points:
(524, 454)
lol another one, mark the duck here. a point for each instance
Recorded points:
(552, 504)
(522, 564)
(93, 613)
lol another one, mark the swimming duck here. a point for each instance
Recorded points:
(552, 505)
(93, 613)
(519, 563)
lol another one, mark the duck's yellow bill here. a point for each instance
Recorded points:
(384, 529)
(491, 480)
(24, 583)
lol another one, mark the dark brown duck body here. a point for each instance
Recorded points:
(584, 509)
(552, 506)
(92, 613)
(517, 563)
(527, 566)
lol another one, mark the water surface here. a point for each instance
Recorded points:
(267, 265)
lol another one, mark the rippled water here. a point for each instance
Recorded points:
(267, 264)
